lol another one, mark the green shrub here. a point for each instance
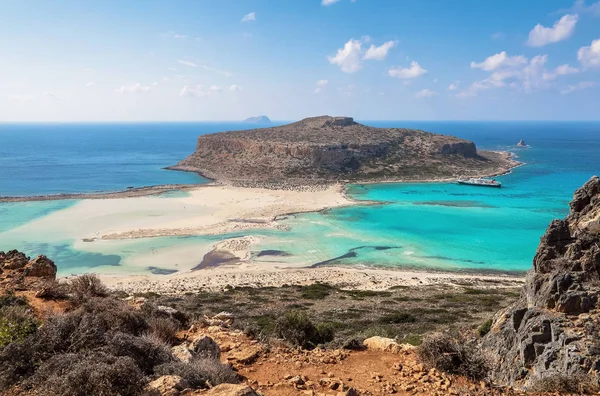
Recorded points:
(164, 329)
(146, 351)
(484, 328)
(296, 328)
(16, 323)
(316, 291)
(397, 317)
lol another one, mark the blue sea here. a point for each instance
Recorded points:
(420, 225)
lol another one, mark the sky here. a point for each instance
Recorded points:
(213, 60)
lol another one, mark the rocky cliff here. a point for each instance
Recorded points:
(554, 329)
(325, 149)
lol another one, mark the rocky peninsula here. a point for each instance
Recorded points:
(322, 150)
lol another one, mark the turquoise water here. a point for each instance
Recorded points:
(433, 225)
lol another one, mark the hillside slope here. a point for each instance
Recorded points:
(329, 149)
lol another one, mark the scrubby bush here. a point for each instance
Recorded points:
(200, 373)
(397, 317)
(53, 290)
(296, 328)
(316, 291)
(16, 323)
(452, 355)
(484, 328)
(86, 286)
(164, 329)
(78, 374)
(577, 384)
(146, 351)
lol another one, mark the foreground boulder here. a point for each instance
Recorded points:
(231, 390)
(19, 272)
(554, 328)
(170, 385)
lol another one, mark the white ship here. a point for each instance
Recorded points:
(479, 181)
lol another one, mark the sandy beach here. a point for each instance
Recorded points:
(247, 274)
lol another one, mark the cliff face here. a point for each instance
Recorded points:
(324, 149)
(554, 329)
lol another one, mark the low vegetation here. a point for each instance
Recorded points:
(100, 346)
(453, 354)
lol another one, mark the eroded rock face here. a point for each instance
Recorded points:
(18, 272)
(555, 328)
(325, 149)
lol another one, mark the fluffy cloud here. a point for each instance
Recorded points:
(499, 60)
(90, 84)
(320, 85)
(134, 88)
(425, 93)
(348, 58)
(328, 2)
(415, 70)
(561, 70)
(561, 30)
(379, 53)
(235, 88)
(453, 87)
(578, 87)
(249, 17)
(590, 56)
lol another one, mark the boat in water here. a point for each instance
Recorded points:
(479, 181)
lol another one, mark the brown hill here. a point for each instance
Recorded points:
(328, 149)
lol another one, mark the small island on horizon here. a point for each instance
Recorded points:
(262, 119)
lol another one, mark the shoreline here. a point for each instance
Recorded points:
(252, 275)
(165, 188)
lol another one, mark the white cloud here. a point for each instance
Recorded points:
(561, 70)
(498, 36)
(90, 84)
(379, 53)
(580, 8)
(578, 87)
(532, 74)
(561, 30)
(453, 87)
(499, 60)
(214, 88)
(320, 85)
(187, 63)
(348, 58)
(234, 88)
(249, 17)
(328, 2)
(415, 70)
(590, 56)
(425, 93)
(171, 69)
(134, 88)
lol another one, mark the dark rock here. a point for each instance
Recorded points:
(554, 328)
(521, 143)
(13, 260)
(41, 267)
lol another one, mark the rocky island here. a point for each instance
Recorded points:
(325, 149)
(263, 119)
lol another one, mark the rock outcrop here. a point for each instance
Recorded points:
(326, 149)
(521, 143)
(554, 329)
(19, 272)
